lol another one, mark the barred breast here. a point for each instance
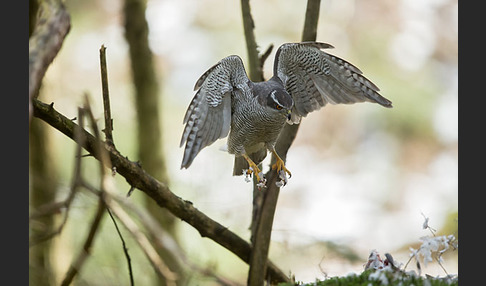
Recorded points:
(252, 127)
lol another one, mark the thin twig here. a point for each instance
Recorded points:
(161, 238)
(263, 57)
(157, 263)
(106, 98)
(125, 249)
(441, 266)
(75, 267)
(107, 186)
(108, 130)
(77, 264)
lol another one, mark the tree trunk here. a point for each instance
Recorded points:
(148, 122)
(43, 183)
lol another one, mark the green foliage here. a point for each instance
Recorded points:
(374, 277)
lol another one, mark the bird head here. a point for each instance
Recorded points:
(280, 101)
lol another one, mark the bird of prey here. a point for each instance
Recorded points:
(252, 114)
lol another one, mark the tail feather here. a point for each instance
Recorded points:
(241, 164)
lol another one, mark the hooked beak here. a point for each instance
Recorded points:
(289, 114)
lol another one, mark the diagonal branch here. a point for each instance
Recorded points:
(76, 265)
(158, 191)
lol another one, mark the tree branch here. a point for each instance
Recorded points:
(125, 249)
(264, 216)
(309, 32)
(152, 255)
(254, 67)
(52, 208)
(76, 265)
(106, 97)
(157, 235)
(158, 191)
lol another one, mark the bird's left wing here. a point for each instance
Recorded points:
(208, 116)
(314, 78)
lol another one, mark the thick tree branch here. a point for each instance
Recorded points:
(263, 231)
(158, 191)
(263, 221)
(254, 66)
(309, 32)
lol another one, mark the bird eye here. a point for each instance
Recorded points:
(278, 106)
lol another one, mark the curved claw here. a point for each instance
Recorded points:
(255, 170)
(280, 165)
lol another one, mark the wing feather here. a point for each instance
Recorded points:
(208, 116)
(314, 78)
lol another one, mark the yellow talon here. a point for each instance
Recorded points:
(279, 164)
(253, 168)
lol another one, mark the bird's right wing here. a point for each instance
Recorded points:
(208, 116)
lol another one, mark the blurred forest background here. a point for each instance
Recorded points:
(363, 176)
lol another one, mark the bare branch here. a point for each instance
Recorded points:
(75, 184)
(158, 191)
(264, 56)
(254, 67)
(106, 97)
(125, 249)
(309, 32)
(263, 230)
(78, 263)
(263, 216)
(154, 258)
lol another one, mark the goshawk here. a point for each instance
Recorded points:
(305, 78)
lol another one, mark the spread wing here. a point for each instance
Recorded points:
(208, 116)
(314, 78)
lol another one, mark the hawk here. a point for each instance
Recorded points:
(252, 114)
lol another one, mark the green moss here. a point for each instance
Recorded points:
(382, 277)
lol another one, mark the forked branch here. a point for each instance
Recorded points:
(158, 191)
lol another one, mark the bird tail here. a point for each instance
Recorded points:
(241, 164)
